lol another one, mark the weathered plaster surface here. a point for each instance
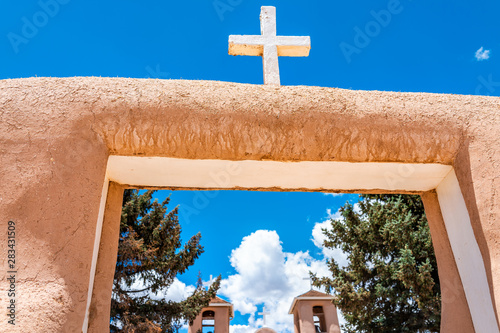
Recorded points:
(455, 313)
(461, 235)
(223, 314)
(56, 135)
(308, 176)
(304, 316)
(105, 266)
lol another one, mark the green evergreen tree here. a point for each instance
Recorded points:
(390, 283)
(150, 251)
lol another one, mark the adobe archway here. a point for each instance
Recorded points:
(58, 136)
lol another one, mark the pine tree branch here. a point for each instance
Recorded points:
(136, 291)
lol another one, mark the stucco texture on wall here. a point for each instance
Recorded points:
(56, 135)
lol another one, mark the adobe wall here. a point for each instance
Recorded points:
(221, 320)
(455, 315)
(304, 313)
(56, 135)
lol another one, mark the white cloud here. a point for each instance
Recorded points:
(482, 54)
(318, 238)
(335, 194)
(177, 291)
(267, 276)
(337, 215)
(241, 329)
(259, 259)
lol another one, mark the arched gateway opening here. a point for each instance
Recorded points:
(83, 140)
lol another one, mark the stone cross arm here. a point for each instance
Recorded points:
(264, 313)
(253, 45)
(310, 281)
(269, 45)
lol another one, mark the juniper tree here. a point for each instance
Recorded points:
(150, 255)
(390, 283)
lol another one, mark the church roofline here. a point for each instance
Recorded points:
(224, 304)
(218, 300)
(308, 298)
(314, 293)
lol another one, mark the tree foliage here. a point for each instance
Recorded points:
(390, 283)
(150, 255)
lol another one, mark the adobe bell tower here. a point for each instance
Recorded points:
(214, 318)
(314, 312)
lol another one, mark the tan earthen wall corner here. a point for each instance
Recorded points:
(56, 135)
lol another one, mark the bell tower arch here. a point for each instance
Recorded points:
(214, 318)
(314, 312)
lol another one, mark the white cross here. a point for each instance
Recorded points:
(310, 281)
(263, 314)
(209, 282)
(269, 46)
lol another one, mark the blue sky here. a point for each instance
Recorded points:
(415, 46)
(267, 231)
(232, 215)
(426, 46)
